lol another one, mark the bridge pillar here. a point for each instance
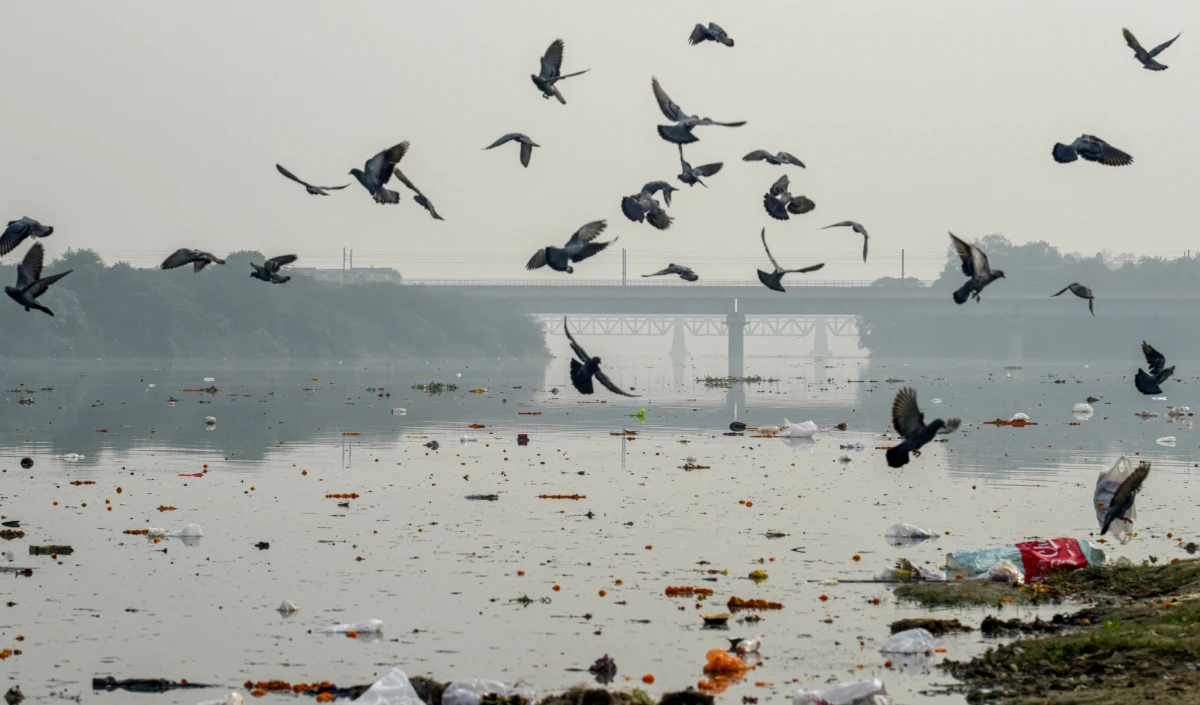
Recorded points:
(679, 351)
(820, 338)
(736, 326)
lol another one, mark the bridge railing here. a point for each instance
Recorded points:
(792, 283)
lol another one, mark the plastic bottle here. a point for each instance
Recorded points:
(1037, 557)
(747, 645)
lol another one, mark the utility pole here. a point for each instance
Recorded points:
(623, 270)
(902, 264)
(352, 260)
(343, 259)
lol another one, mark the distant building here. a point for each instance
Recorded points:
(352, 276)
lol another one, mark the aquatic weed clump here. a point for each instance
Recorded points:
(435, 387)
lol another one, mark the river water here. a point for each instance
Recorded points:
(444, 573)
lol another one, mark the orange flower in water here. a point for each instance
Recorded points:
(351, 635)
(940, 651)
(723, 663)
(823, 598)
(960, 576)
(749, 504)
(556, 588)
(648, 679)
(857, 558)
(887, 664)
(258, 692)
(737, 603)
(520, 572)
(649, 547)
(619, 581)
(325, 698)
(603, 593)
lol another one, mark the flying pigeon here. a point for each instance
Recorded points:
(1081, 291)
(1091, 148)
(858, 228)
(681, 131)
(1159, 372)
(779, 201)
(527, 145)
(774, 279)
(582, 372)
(420, 197)
(1122, 500)
(577, 249)
(642, 206)
(550, 73)
(378, 170)
(197, 258)
(1147, 57)
(18, 230)
(30, 285)
(269, 271)
(691, 175)
(777, 159)
(711, 33)
(685, 273)
(312, 190)
(975, 266)
(909, 422)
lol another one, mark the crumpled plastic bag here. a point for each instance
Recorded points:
(1004, 572)
(392, 689)
(865, 692)
(905, 535)
(231, 699)
(191, 531)
(1106, 486)
(909, 641)
(471, 692)
(365, 626)
(1082, 408)
(805, 429)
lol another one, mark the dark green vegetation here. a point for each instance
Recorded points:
(1038, 266)
(1142, 645)
(120, 311)
(967, 593)
(711, 382)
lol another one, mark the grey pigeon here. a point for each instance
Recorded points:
(30, 285)
(909, 422)
(378, 170)
(587, 367)
(577, 249)
(527, 145)
(1081, 291)
(197, 258)
(1147, 57)
(312, 190)
(420, 197)
(779, 202)
(18, 230)
(551, 72)
(691, 174)
(1091, 148)
(974, 265)
(1159, 372)
(269, 271)
(643, 207)
(681, 131)
(858, 228)
(779, 158)
(1122, 500)
(775, 278)
(685, 273)
(711, 33)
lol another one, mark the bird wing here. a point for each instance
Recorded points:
(1109, 155)
(1133, 42)
(1125, 493)
(30, 268)
(1064, 289)
(404, 180)
(1156, 360)
(552, 59)
(507, 138)
(805, 270)
(665, 104)
(587, 233)
(708, 169)
(790, 159)
(40, 286)
(1159, 49)
(661, 272)
(273, 264)
(800, 205)
(526, 153)
(179, 258)
(633, 208)
(866, 241)
(659, 218)
(907, 418)
(538, 260)
(698, 34)
(333, 188)
(14, 234)
(608, 383)
(769, 255)
(951, 426)
(579, 351)
(292, 176)
(965, 253)
(780, 186)
(716, 29)
(590, 249)
(381, 164)
(756, 156)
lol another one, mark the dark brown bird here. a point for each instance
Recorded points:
(583, 372)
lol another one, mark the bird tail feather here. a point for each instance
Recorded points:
(963, 293)
(897, 456)
(1064, 154)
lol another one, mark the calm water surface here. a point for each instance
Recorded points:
(443, 573)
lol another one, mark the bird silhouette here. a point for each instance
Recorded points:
(691, 174)
(685, 273)
(420, 198)
(909, 422)
(711, 33)
(974, 265)
(1159, 372)
(551, 72)
(30, 285)
(779, 202)
(1091, 148)
(18, 230)
(643, 207)
(378, 170)
(312, 190)
(1081, 291)
(1147, 57)
(527, 145)
(269, 271)
(779, 158)
(197, 258)
(587, 367)
(856, 227)
(1122, 500)
(681, 131)
(577, 249)
(775, 278)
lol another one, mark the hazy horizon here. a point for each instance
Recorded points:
(913, 120)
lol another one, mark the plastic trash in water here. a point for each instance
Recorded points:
(1082, 408)
(399, 412)
(640, 416)
(392, 689)
(191, 531)
(904, 570)
(466, 439)
(864, 692)
(745, 645)
(1037, 557)
(1146, 414)
(805, 429)
(287, 607)
(909, 641)
(905, 535)
(210, 420)
(72, 457)
(365, 626)
(1020, 416)
(1168, 441)
(231, 699)
(151, 386)
(471, 692)
(1159, 398)
(210, 379)
(1004, 572)
(155, 533)
(857, 445)
(935, 401)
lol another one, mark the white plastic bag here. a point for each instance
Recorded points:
(366, 626)
(1168, 441)
(471, 692)
(392, 689)
(191, 531)
(1004, 572)
(864, 692)
(1106, 487)
(1082, 408)
(909, 641)
(231, 699)
(806, 429)
(287, 608)
(1020, 416)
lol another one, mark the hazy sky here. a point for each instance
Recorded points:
(139, 127)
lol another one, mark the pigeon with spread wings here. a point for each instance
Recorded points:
(420, 198)
(577, 249)
(1079, 290)
(30, 285)
(1091, 148)
(269, 271)
(685, 273)
(197, 258)
(527, 145)
(378, 170)
(779, 158)
(681, 131)
(775, 278)
(1159, 372)
(974, 265)
(711, 33)
(1147, 57)
(909, 422)
(644, 207)
(583, 372)
(856, 227)
(779, 202)
(18, 230)
(312, 190)
(551, 72)
(691, 174)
